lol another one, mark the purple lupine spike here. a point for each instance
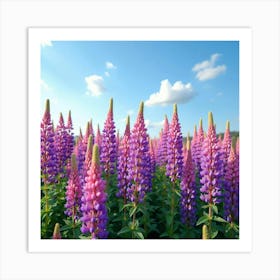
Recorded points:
(139, 160)
(226, 144)
(122, 165)
(73, 191)
(70, 142)
(211, 166)
(175, 149)
(152, 156)
(197, 147)
(188, 190)
(94, 213)
(237, 147)
(61, 140)
(48, 153)
(108, 145)
(231, 203)
(80, 153)
(163, 154)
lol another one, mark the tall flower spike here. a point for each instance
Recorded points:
(231, 205)
(108, 146)
(56, 232)
(211, 166)
(70, 142)
(163, 144)
(139, 160)
(122, 165)
(48, 152)
(175, 149)
(73, 191)
(88, 156)
(197, 143)
(226, 142)
(94, 213)
(98, 138)
(188, 190)
(61, 145)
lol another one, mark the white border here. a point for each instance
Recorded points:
(243, 35)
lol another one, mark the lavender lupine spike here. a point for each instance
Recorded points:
(48, 155)
(231, 203)
(73, 191)
(188, 190)
(163, 154)
(211, 166)
(139, 160)
(94, 213)
(61, 146)
(152, 156)
(108, 146)
(122, 165)
(175, 149)
(197, 147)
(56, 232)
(70, 142)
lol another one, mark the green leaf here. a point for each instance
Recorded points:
(214, 234)
(126, 205)
(205, 206)
(132, 211)
(219, 219)
(202, 220)
(139, 234)
(215, 208)
(124, 230)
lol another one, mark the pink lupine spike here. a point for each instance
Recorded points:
(94, 213)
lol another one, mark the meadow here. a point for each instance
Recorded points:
(100, 184)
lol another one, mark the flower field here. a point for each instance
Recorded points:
(100, 184)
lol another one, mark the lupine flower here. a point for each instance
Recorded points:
(73, 191)
(211, 166)
(70, 138)
(139, 160)
(48, 156)
(108, 147)
(188, 190)
(80, 153)
(152, 156)
(56, 232)
(237, 147)
(98, 138)
(94, 213)
(175, 149)
(91, 131)
(163, 143)
(122, 165)
(61, 140)
(88, 156)
(197, 143)
(231, 203)
(70, 142)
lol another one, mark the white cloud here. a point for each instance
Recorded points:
(110, 65)
(107, 74)
(170, 94)
(95, 85)
(44, 86)
(207, 70)
(46, 43)
(149, 124)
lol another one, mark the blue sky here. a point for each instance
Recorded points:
(200, 76)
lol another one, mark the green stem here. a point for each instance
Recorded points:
(210, 219)
(172, 208)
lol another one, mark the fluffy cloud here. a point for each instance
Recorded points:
(46, 43)
(44, 86)
(95, 85)
(110, 65)
(107, 74)
(149, 124)
(170, 94)
(207, 70)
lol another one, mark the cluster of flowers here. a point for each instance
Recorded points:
(134, 157)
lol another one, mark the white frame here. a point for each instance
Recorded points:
(262, 16)
(243, 35)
